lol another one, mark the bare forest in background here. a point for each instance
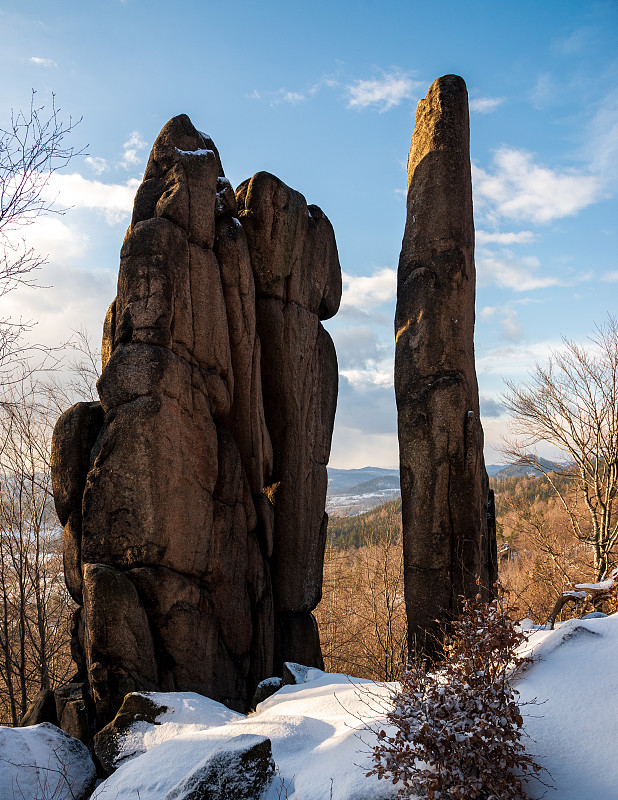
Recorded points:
(35, 608)
(362, 614)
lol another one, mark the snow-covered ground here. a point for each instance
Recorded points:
(314, 729)
(319, 743)
(349, 505)
(574, 728)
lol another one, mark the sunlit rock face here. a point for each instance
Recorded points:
(174, 537)
(444, 484)
(298, 283)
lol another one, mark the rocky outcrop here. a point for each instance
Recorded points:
(298, 284)
(41, 709)
(147, 719)
(110, 743)
(444, 484)
(241, 769)
(175, 531)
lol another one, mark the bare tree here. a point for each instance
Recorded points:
(546, 558)
(78, 380)
(572, 404)
(34, 604)
(32, 149)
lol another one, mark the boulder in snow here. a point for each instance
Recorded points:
(43, 761)
(72, 711)
(147, 719)
(110, 742)
(266, 689)
(41, 709)
(295, 674)
(240, 769)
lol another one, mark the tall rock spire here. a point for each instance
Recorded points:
(444, 484)
(192, 546)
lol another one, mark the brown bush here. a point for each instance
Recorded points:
(457, 731)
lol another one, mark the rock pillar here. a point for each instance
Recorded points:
(444, 484)
(180, 516)
(298, 283)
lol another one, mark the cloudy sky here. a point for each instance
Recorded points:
(323, 94)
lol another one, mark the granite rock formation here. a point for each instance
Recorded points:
(298, 283)
(444, 484)
(175, 530)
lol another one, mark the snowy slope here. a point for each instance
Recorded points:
(574, 731)
(315, 727)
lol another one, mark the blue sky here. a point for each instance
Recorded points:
(324, 96)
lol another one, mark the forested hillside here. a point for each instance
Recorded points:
(352, 531)
(362, 613)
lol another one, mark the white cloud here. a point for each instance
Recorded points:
(132, 149)
(381, 93)
(291, 97)
(610, 277)
(490, 407)
(544, 90)
(51, 236)
(356, 346)
(365, 361)
(282, 95)
(521, 237)
(578, 40)
(353, 446)
(511, 326)
(329, 83)
(363, 379)
(367, 292)
(509, 272)
(518, 188)
(602, 138)
(508, 319)
(485, 105)
(113, 200)
(98, 164)
(73, 297)
(488, 312)
(43, 62)
(515, 359)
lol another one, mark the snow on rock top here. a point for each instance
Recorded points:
(200, 152)
(314, 732)
(186, 712)
(603, 586)
(296, 674)
(41, 761)
(318, 736)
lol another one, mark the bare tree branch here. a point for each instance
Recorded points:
(571, 403)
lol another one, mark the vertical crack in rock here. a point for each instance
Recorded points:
(444, 484)
(187, 575)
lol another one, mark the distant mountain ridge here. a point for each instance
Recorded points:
(355, 491)
(522, 468)
(368, 487)
(339, 479)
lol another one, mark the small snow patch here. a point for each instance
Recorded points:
(200, 152)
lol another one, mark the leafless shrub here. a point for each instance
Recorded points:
(458, 730)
